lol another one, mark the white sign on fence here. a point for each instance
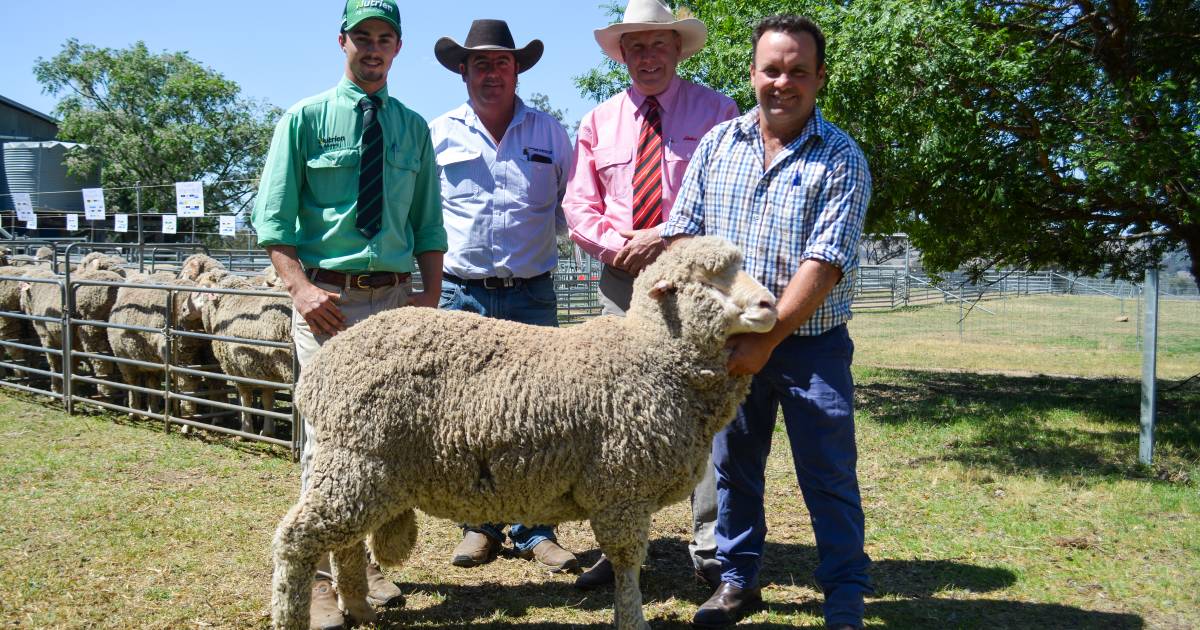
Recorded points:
(31, 222)
(227, 226)
(168, 224)
(120, 222)
(24, 205)
(189, 199)
(93, 204)
(72, 222)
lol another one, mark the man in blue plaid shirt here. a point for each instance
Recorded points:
(791, 190)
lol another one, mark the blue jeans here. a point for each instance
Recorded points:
(533, 302)
(810, 377)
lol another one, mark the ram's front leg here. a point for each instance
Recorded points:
(622, 533)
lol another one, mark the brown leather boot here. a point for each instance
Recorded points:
(323, 613)
(726, 606)
(601, 574)
(382, 591)
(475, 549)
(550, 554)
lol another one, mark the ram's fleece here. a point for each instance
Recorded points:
(482, 420)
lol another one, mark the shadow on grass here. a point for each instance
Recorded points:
(667, 575)
(1015, 421)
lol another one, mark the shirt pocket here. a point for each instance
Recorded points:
(677, 155)
(400, 179)
(541, 185)
(460, 171)
(614, 169)
(333, 177)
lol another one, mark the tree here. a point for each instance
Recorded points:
(1003, 132)
(157, 119)
(540, 101)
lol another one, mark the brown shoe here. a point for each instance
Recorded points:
(601, 574)
(382, 591)
(323, 613)
(726, 606)
(475, 549)
(550, 554)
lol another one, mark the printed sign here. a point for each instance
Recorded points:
(72, 222)
(168, 224)
(93, 204)
(189, 199)
(120, 222)
(227, 226)
(24, 205)
(31, 222)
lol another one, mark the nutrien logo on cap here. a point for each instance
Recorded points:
(376, 4)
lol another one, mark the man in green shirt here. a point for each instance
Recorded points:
(349, 195)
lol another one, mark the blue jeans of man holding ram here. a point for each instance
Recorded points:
(530, 301)
(810, 378)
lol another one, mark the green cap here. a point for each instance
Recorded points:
(358, 10)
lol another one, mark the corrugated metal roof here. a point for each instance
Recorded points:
(28, 110)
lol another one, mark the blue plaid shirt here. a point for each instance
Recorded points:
(810, 204)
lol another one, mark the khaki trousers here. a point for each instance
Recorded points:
(356, 305)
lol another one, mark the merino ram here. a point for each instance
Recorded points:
(247, 317)
(483, 420)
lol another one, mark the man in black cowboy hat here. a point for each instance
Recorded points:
(504, 169)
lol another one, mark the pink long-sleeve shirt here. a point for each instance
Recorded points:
(599, 199)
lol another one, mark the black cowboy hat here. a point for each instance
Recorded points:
(486, 35)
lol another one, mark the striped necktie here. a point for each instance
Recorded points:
(647, 178)
(369, 217)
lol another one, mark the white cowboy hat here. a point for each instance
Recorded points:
(651, 15)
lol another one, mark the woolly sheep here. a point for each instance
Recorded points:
(147, 307)
(483, 420)
(10, 301)
(91, 303)
(247, 317)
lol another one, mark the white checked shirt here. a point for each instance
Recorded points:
(810, 204)
(501, 205)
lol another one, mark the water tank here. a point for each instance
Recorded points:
(38, 168)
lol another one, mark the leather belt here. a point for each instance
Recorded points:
(494, 283)
(369, 280)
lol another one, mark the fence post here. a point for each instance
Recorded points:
(1149, 358)
(141, 238)
(907, 268)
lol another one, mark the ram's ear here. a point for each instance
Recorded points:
(662, 288)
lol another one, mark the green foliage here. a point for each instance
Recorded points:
(541, 102)
(157, 119)
(1061, 133)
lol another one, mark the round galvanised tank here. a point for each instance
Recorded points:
(39, 168)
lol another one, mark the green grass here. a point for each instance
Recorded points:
(1065, 335)
(992, 501)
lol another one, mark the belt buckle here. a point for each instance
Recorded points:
(359, 281)
(497, 282)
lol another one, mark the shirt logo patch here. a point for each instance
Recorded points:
(332, 141)
(534, 154)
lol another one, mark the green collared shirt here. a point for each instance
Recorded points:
(308, 194)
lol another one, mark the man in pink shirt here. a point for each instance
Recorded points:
(630, 158)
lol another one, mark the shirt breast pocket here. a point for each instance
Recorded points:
(614, 170)
(333, 177)
(541, 184)
(461, 171)
(677, 155)
(400, 178)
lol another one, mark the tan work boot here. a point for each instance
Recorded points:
(324, 613)
(475, 549)
(550, 554)
(382, 591)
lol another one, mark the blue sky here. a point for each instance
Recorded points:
(284, 50)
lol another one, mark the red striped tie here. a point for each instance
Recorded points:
(647, 179)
